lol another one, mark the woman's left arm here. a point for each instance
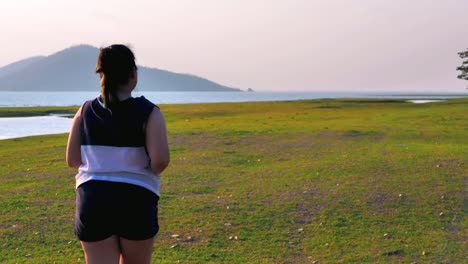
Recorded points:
(73, 155)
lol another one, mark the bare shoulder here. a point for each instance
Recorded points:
(156, 116)
(78, 112)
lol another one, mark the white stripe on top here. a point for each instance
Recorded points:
(118, 164)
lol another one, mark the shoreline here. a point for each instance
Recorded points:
(31, 111)
(69, 111)
(25, 118)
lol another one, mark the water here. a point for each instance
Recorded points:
(30, 126)
(77, 98)
(14, 127)
(423, 101)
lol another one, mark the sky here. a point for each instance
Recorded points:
(267, 45)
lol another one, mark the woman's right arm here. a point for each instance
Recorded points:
(156, 141)
(73, 155)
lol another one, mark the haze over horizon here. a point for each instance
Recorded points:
(300, 45)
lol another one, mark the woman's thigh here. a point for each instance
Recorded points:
(106, 251)
(136, 251)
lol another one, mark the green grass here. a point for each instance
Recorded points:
(333, 181)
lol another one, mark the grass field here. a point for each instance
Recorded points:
(319, 181)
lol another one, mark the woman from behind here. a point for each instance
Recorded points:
(119, 145)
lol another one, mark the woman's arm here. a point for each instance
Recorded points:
(156, 141)
(73, 147)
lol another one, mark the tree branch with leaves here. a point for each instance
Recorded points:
(464, 67)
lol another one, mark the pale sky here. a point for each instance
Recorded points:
(268, 45)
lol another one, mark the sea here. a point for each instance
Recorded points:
(16, 127)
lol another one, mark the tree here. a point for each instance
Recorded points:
(464, 67)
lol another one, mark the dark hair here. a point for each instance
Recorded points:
(115, 64)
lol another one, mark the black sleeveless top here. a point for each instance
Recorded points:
(113, 143)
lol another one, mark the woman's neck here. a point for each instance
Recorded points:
(123, 95)
(124, 92)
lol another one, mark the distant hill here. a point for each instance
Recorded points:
(19, 65)
(72, 69)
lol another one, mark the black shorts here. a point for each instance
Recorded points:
(105, 208)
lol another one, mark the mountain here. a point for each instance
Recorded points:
(19, 65)
(72, 69)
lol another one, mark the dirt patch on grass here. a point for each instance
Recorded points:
(356, 134)
(279, 144)
(301, 217)
(351, 134)
(327, 134)
(281, 147)
(306, 208)
(184, 140)
(282, 143)
(456, 223)
(380, 201)
(448, 163)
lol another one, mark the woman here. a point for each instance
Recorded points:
(118, 144)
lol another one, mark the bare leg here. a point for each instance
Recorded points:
(106, 251)
(136, 251)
